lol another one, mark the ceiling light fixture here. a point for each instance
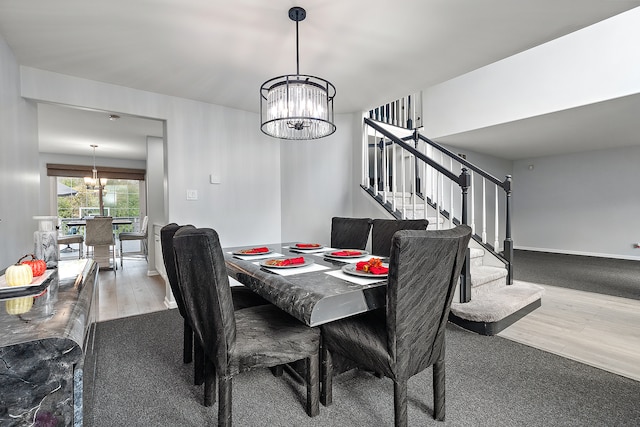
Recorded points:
(94, 182)
(113, 117)
(297, 106)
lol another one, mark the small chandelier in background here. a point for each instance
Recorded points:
(93, 183)
(297, 106)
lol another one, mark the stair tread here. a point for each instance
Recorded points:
(476, 252)
(483, 274)
(496, 305)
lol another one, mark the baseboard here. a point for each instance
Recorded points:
(170, 304)
(152, 272)
(568, 252)
(493, 328)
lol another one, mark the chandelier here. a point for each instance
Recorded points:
(297, 106)
(93, 182)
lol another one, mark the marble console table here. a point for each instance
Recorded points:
(46, 354)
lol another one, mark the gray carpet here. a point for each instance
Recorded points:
(616, 277)
(491, 381)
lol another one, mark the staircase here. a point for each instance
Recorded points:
(494, 304)
(415, 178)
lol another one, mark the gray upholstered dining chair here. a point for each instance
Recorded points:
(140, 236)
(409, 335)
(350, 233)
(237, 341)
(242, 298)
(99, 235)
(384, 229)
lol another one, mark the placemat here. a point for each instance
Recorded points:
(309, 251)
(295, 270)
(260, 256)
(355, 279)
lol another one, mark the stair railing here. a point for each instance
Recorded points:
(411, 175)
(498, 187)
(400, 153)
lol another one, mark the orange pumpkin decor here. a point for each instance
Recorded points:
(38, 266)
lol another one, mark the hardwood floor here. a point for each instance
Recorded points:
(130, 291)
(595, 329)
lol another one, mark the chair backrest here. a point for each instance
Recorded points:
(384, 229)
(350, 233)
(203, 280)
(423, 273)
(145, 223)
(166, 239)
(99, 231)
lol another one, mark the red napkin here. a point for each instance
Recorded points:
(293, 261)
(307, 245)
(373, 270)
(256, 250)
(378, 270)
(346, 253)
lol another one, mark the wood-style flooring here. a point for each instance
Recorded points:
(129, 291)
(595, 329)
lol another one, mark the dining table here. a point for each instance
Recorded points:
(315, 291)
(83, 222)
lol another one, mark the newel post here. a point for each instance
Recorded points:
(508, 242)
(464, 180)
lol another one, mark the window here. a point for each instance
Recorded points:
(121, 199)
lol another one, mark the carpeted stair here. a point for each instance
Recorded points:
(494, 305)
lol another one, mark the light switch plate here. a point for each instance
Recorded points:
(192, 194)
(214, 179)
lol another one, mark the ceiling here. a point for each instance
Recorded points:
(65, 130)
(220, 51)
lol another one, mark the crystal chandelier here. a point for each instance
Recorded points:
(297, 106)
(93, 182)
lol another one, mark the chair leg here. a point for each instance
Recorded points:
(400, 402)
(224, 406)
(187, 351)
(313, 385)
(438, 390)
(115, 260)
(199, 363)
(277, 371)
(209, 383)
(326, 396)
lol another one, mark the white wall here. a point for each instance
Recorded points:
(582, 203)
(253, 170)
(317, 183)
(19, 175)
(202, 139)
(594, 64)
(586, 203)
(155, 194)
